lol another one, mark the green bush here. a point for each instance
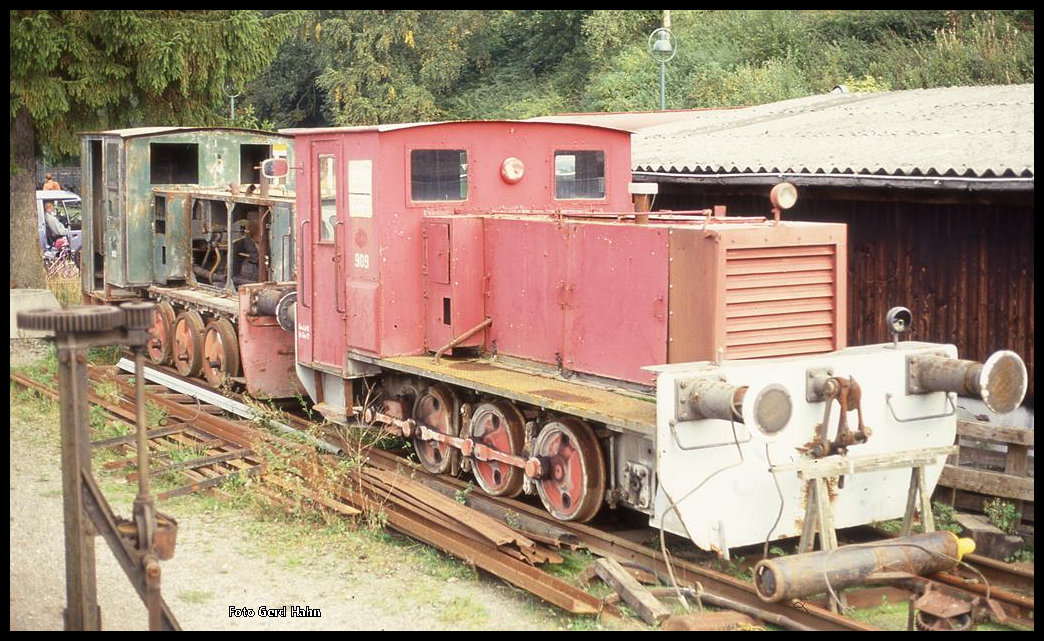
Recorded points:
(1003, 514)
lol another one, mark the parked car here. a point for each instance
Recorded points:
(67, 208)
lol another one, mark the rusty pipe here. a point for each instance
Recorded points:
(801, 575)
(717, 399)
(1000, 382)
(266, 300)
(463, 337)
(402, 427)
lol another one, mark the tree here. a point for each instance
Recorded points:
(286, 94)
(77, 70)
(395, 66)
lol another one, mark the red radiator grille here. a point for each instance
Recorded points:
(780, 301)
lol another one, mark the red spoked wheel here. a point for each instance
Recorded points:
(572, 483)
(500, 426)
(160, 345)
(438, 409)
(188, 343)
(220, 352)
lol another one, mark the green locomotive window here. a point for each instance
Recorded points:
(579, 175)
(250, 156)
(171, 163)
(438, 174)
(327, 182)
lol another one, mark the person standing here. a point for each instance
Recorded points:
(50, 184)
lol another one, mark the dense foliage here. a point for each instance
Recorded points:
(364, 67)
(83, 70)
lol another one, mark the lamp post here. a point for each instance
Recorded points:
(662, 48)
(232, 93)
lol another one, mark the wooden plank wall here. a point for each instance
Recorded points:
(965, 270)
(992, 462)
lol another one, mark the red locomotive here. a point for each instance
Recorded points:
(494, 283)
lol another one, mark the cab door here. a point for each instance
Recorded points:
(324, 232)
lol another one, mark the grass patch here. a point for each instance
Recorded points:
(154, 415)
(463, 612)
(887, 616)
(195, 596)
(442, 566)
(108, 390)
(66, 290)
(35, 419)
(108, 355)
(44, 369)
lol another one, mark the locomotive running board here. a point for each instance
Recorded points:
(618, 411)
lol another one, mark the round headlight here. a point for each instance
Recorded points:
(783, 196)
(511, 170)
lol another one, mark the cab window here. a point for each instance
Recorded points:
(327, 182)
(438, 174)
(579, 175)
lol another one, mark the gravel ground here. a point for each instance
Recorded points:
(227, 557)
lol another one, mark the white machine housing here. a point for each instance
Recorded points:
(713, 472)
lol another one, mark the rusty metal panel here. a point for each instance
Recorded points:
(437, 251)
(89, 226)
(214, 153)
(525, 261)
(756, 290)
(266, 353)
(694, 297)
(115, 232)
(616, 300)
(325, 276)
(467, 276)
(281, 242)
(438, 296)
(363, 309)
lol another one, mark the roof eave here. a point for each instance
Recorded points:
(949, 183)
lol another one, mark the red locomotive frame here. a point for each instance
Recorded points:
(515, 247)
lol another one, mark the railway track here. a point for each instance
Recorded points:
(227, 449)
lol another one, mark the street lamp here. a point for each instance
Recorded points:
(662, 48)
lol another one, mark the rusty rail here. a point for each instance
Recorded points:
(687, 573)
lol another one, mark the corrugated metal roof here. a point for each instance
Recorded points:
(954, 131)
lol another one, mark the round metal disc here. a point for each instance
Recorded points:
(500, 426)
(437, 408)
(1003, 381)
(772, 408)
(160, 345)
(188, 343)
(574, 486)
(220, 352)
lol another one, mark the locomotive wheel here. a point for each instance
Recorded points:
(573, 486)
(188, 343)
(437, 408)
(500, 426)
(220, 352)
(161, 336)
